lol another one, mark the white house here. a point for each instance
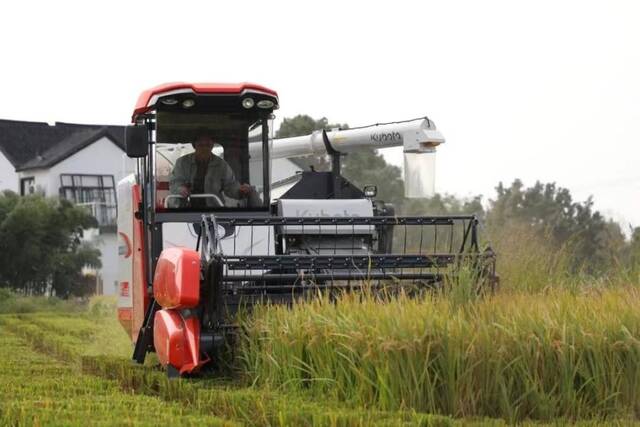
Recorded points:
(83, 164)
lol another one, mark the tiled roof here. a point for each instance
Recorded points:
(31, 145)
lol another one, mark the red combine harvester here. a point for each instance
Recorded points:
(208, 223)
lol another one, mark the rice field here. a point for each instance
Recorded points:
(544, 357)
(38, 389)
(50, 375)
(555, 357)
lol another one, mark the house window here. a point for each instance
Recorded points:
(96, 193)
(88, 188)
(27, 186)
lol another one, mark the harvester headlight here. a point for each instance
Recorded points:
(169, 101)
(248, 103)
(265, 103)
(370, 191)
(188, 103)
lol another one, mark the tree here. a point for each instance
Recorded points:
(303, 124)
(594, 242)
(40, 240)
(67, 278)
(368, 167)
(445, 204)
(631, 255)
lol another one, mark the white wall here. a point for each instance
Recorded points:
(102, 157)
(107, 243)
(8, 175)
(41, 177)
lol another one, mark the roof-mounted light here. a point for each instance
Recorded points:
(169, 101)
(248, 103)
(265, 103)
(370, 191)
(188, 103)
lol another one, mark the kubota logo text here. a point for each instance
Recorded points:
(323, 213)
(386, 137)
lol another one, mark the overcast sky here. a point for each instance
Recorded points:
(537, 90)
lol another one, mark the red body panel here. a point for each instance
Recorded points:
(177, 340)
(203, 88)
(125, 318)
(176, 283)
(139, 286)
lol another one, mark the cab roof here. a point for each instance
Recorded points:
(147, 99)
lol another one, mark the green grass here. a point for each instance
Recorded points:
(36, 389)
(12, 303)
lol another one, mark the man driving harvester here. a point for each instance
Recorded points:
(202, 172)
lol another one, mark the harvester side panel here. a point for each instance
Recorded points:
(125, 254)
(132, 292)
(139, 285)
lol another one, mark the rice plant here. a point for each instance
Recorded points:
(512, 356)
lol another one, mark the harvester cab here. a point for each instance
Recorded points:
(204, 230)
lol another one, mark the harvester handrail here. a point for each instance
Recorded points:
(336, 220)
(306, 261)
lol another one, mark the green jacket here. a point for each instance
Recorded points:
(219, 178)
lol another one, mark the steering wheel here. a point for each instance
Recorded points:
(215, 198)
(251, 200)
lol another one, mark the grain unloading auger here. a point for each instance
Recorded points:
(201, 237)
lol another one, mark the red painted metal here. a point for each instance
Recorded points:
(176, 283)
(125, 317)
(125, 290)
(143, 105)
(177, 341)
(139, 292)
(127, 244)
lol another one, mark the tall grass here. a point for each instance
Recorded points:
(528, 261)
(557, 354)
(13, 303)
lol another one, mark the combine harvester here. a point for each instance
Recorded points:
(190, 260)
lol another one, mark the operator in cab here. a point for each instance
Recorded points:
(202, 172)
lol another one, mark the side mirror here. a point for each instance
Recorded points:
(136, 141)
